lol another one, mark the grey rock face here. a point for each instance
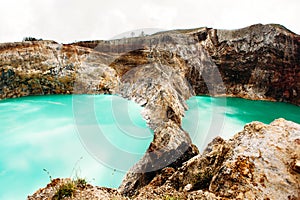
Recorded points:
(256, 62)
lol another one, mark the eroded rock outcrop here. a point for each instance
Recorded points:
(260, 61)
(257, 163)
(46, 67)
(256, 62)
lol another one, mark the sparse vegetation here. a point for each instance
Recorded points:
(171, 198)
(202, 179)
(68, 188)
(25, 39)
(65, 190)
(50, 177)
(142, 34)
(80, 183)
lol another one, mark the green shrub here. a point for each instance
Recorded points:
(65, 190)
(30, 39)
(68, 188)
(80, 182)
(203, 179)
(171, 198)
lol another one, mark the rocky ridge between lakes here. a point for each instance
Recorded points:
(160, 72)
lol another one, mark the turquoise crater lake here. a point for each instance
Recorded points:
(209, 117)
(45, 132)
(92, 136)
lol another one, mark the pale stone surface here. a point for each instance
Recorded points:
(259, 163)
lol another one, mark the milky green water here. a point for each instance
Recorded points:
(209, 117)
(43, 132)
(100, 137)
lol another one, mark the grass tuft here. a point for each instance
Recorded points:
(65, 190)
(171, 198)
(80, 183)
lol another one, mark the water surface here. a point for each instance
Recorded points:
(99, 137)
(209, 117)
(41, 132)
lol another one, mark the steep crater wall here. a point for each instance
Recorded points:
(256, 62)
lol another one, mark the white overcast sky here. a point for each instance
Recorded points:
(75, 20)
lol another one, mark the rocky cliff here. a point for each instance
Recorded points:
(160, 72)
(256, 62)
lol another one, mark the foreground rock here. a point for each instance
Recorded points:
(257, 163)
(67, 189)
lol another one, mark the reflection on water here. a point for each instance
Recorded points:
(39, 133)
(209, 117)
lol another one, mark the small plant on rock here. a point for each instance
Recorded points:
(25, 39)
(68, 188)
(65, 190)
(80, 183)
(203, 179)
(171, 198)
